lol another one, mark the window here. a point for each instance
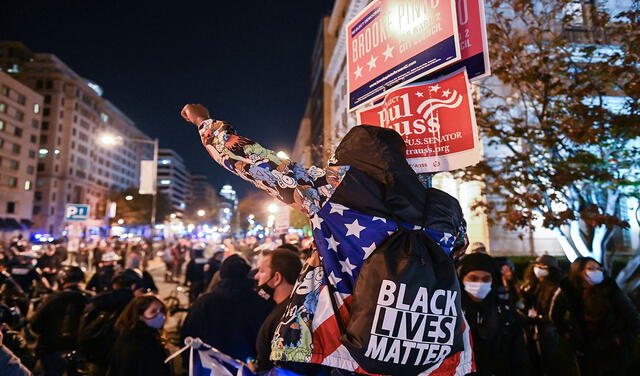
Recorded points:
(45, 125)
(48, 84)
(47, 99)
(13, 182)
(5, 91)
(39, 84)
(33, 139)
(20, 115)
(30, 170)
(36, 108)
(40, 167)
(3, 107)
(32, 154)
(16, 149)
(36, 210)
(17, 132)
(14, 165)
(2, 125)
(43, 153)
(27, 185)
(44, 139)
(22, 100)
(34, 123)
(11, 207)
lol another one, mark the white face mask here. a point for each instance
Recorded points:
(595, 277)
(479, 290)
(540, 272)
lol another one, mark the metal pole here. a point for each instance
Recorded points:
(155, 188)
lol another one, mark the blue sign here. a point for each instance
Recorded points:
(76, 212)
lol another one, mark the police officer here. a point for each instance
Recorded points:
(101, 280)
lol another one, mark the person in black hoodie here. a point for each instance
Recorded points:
(196, 272)
(547, 349)
(229, 317)
(597, 317)
(140, 349)
(498, 337)
(57, 322)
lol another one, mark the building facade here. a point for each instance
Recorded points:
(173, 180)
(20, 121)
(72, 165)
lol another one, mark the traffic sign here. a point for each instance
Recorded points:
(76, 212)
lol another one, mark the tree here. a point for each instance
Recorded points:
(137, 211)
(561, 117)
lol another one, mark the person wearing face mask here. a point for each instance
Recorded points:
(140, 348)
(277, 274)
(229, 317)
(548, 352)
(597, 317)
(496, 329)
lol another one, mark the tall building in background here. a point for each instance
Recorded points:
(20, 119)
(202, 194)
(173, 179)
(227, 205)
(73, 167)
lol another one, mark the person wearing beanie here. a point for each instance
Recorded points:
(229, 317)
(498, 338)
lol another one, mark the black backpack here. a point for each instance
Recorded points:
(406, 314)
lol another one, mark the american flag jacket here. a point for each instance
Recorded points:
(350, 205)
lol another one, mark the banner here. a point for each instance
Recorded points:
(390, 43)
(147, 177)
(474, 48)
(436, 120)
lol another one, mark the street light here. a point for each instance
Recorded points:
(272, 208)
(128, 197)
(109, 140)
(120, 221)
(201, 213)
(282, 155)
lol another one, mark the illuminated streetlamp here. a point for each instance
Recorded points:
(201, 213)
(282, 155)
(272, 208)
(120, 221)
(128, 197)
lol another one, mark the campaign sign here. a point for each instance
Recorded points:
(394, 42)
(76, 212)
(436, 120)
(472, 31)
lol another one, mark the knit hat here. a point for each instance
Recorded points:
(476, 261)
(547, 260)
(234, 266)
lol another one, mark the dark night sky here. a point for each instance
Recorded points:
(247, 61)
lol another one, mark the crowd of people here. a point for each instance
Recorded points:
(56, 320)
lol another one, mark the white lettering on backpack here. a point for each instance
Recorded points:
(415, 331)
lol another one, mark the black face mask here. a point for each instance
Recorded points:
(265, 291)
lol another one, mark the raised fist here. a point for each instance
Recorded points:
(195, 113)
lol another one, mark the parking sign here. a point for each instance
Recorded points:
(76, 212)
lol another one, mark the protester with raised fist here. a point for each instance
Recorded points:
(496, 329)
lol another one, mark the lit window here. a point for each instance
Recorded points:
(165, 182)
(3, 107)
(56, 152)
(43, 153)
(36, 108)
(104, 117)
(27, 185)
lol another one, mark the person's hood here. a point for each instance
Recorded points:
(381, 182)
